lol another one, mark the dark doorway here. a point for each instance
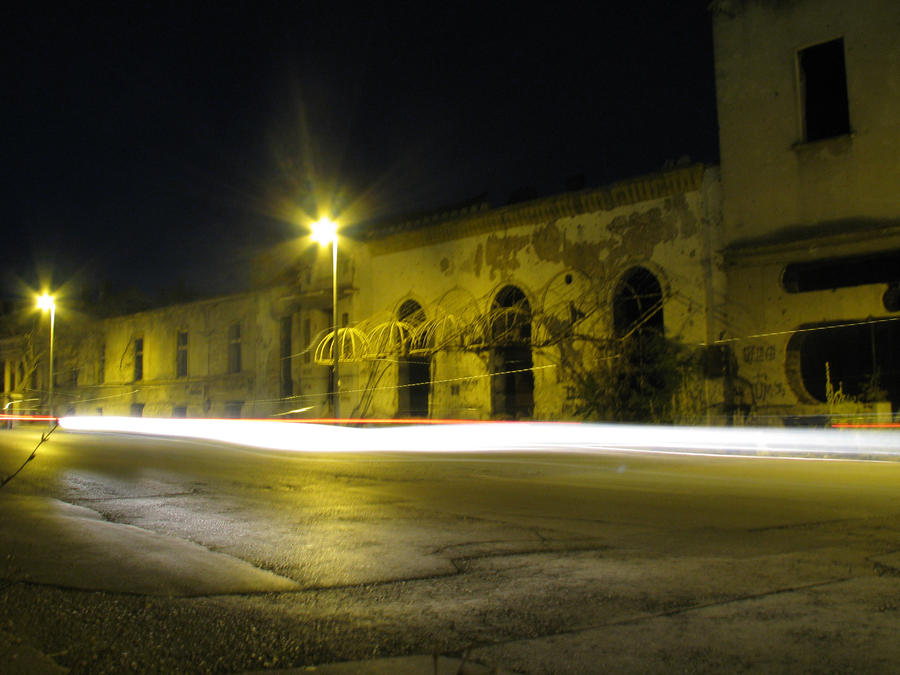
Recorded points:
(414, 368)
(637, 305)
(512, 378)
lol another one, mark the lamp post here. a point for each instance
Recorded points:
(324, 231)
(46, 302)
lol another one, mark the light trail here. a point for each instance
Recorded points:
(26, 418)
(512, 437)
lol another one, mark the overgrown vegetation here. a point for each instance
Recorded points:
(643, 378)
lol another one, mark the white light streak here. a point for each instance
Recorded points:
(513, 437)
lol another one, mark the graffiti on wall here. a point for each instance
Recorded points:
(758, 353)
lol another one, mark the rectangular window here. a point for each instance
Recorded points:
(823, 90)
(137, 409)
(2, 375)
(179, 411)
(101, 365)
(307, 339)
(181, 354)
(234, 348)
(287, 383)
(139, 358)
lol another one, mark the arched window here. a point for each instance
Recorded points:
(638, 303)
(512, 379)
(413, 370)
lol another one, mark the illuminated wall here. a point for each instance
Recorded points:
(808, 93)
(563, 254)
(212, 358)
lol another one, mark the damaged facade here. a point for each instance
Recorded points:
(808, 93)
(780, 268)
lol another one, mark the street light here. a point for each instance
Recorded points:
(324, 231)
(46, 302)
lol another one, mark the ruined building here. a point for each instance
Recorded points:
(777, 272)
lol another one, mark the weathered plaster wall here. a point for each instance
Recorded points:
(460, 267)
(787, 201)
(771, 179)
(207, 389)
(762, 316)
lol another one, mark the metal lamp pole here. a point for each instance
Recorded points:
(334, 319)
(46, 302)
(324, 231)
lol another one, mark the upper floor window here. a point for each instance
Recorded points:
(181, 354)
(234, 348)
(823, 90)
(139, 358)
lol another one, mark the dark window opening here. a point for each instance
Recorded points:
(179, 411)
(863, 361)
(638, 304)
(101, 365)
(139, 359)
(820, 275)
(891, 298)
(413, 371)
(287, 382)
(137, 409)
(181, 354)
(512, 381)
(823, 86)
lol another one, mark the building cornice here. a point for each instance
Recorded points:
(843, 237)
(458, 226)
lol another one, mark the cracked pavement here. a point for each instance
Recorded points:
(127, 553)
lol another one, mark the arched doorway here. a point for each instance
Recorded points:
(512, 379)
(638, 304)
(414, 368)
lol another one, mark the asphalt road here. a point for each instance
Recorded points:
(540, 563)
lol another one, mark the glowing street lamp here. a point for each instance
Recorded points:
(46, 302)
(324, 231)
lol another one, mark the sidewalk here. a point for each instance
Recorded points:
(48, 542)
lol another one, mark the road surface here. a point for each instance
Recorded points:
(242, 559)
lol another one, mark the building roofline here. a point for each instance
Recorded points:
(423, 232)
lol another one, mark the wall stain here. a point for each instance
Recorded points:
(501, 253)
(632, 237)
(551, 245)
(678, 206)
(637, 234)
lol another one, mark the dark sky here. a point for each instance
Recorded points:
(150, 144)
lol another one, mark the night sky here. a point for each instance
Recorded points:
(152, 146)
